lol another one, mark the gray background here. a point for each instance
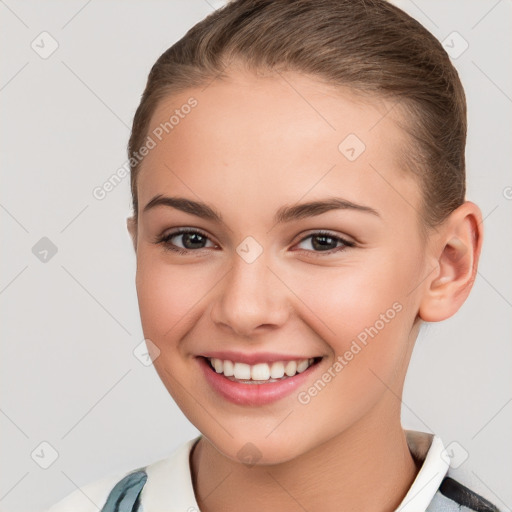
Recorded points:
(69, 325)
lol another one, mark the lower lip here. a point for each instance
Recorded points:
(252, 394)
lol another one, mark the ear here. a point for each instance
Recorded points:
(457, 254)
(131, 224)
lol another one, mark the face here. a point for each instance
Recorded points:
(260, 280)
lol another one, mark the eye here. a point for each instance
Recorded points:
(325, 242)
(190, 238)
(193, 240)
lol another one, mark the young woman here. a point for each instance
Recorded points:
(298, 180)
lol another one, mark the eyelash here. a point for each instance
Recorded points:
(164, 240)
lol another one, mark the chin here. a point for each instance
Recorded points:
(259, 451)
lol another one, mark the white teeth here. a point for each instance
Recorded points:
(277, 370)
(291, 368)
(218, 365)
(303, 365)
(242, 371)
(261, 371)
(229, 368)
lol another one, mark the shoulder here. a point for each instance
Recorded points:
(158, 485)
(453, 496)
(103, 493)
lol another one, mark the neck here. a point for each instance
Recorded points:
(368, 467)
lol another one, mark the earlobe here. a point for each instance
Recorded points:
(457, 260)
(131, 225)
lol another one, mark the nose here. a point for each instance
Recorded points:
(251, 299)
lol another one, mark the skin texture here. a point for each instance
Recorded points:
(252, 145)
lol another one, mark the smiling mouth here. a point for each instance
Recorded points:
(260, 373)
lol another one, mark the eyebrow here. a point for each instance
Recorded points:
(284, 214)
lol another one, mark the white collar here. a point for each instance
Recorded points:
(169, 484)
(429, 449)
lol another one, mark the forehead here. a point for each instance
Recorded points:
(277, 137)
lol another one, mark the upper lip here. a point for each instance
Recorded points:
(254, 358)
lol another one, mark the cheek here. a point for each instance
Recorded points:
(353, 297)
(363, 311)
(364, 320)
(168, 295)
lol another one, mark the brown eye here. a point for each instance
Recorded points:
(327, 243)
(191, 240)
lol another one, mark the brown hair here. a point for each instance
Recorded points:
(370, 46)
